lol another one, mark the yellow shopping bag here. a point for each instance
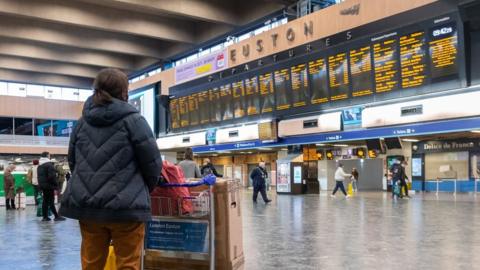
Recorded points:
(350, 189)
(110, 264)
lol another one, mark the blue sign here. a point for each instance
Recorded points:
(352, 116)
(362, 134)
(177, 235)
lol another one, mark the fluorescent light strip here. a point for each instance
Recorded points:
(410, 140)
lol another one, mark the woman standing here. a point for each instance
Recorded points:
(9, 187)
(189, 167)
(115, 163)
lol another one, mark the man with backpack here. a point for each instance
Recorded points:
(47, 180)
(208, 168)
(399, 176)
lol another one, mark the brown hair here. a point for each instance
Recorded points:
(189, 154)
(110, 83)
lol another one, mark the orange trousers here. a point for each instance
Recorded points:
(127, 239)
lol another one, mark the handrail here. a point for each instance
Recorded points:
(23, 140)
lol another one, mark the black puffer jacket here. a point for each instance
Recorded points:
(115, 164)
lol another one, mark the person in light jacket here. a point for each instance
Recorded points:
(32, 178)
(189, 167)
(340, 176)
(9, 187)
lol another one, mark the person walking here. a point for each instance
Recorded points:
(259, 176)
(354, 179)
(397, 171)
(47, 180)
(9, 187)
(340, 176)
(115, 164)
(404, 178)
(189, 167)
(208, 168)
(32, 178)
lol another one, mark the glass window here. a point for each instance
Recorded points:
(216, 48)
(53, 92)
(24, 126)
(34, 90)
(70, 94)
(204, 52)
(43, 127)
(62, 128)
(83, 94)
(3, 88)
(17, 89)
(192, 57)
(151, 73)
(446, 166)
(6, 125)
(244, 36)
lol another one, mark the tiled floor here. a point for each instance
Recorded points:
(369, 231)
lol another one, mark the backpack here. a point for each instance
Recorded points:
(207, 170)
(166, 200)
(396, 170)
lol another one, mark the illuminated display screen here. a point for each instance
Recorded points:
(183, 111)
(174, 113)
(215, 105)
(384, 66)
(299, 85)
(412, 60)
(443, 51)
(386, 71)
(193, 109)
(238, 93)
(267, 98)
(282, 80)
(203, 107)
(338, 76)
(318, 80)
(226, 101)
(361, 71)
(252, 96)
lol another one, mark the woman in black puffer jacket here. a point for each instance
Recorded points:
(115, 163)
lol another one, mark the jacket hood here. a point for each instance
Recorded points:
(106, 115)
(43, 160)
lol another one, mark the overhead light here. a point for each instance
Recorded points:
(475, 131)
(340, 145)
(321, 144)
(284, 149)
(265, 121)
(411, 140)
(265, 148)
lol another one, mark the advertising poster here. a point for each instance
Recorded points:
(352, 117)
(283, 177)
(144, 102)
(201, 66)
(297, 175)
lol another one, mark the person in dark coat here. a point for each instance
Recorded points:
(208, 168)
(115, 164)
(48, 183)
(259, 176)
(9, 187)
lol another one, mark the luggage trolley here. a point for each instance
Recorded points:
(174, 233)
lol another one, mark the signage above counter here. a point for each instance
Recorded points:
(374, 133)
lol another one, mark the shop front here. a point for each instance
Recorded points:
(448, 165)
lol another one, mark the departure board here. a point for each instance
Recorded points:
(413, 60)
(226, 101)
(318, 81)
(267, 98)
(361, 71)
(204, 107)
(299, 85)
(193, 109)
(252, 96)
(282, 81)
(215, 105)
(238, 93)
(386, 65)
(174, 113)
(338, 76)
(183, 111)
(443, 51)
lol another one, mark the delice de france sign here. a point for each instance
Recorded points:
(202, 66)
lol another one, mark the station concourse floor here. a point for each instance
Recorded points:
(368, 231)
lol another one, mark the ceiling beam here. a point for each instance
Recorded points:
(13, 47)
(47, 32)
(48, 67)
(214, 11)
(42, 78)
(103, 18)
